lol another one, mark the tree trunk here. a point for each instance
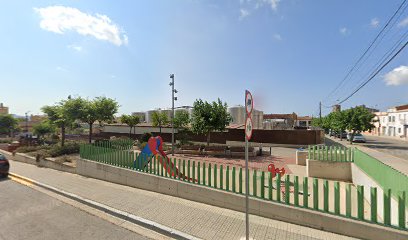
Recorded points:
(352, 136)
(62, 135)
(208, 138)
(130, 132)
(160, 130)
(90, 132)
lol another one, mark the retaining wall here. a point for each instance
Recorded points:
(21, 157)
(301, 216)
(340, 171)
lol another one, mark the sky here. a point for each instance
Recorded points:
(290, 54)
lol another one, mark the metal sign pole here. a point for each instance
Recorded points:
(246, 180)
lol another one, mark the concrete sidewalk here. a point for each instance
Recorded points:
(200, 220)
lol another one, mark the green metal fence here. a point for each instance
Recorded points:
(331, 153)
(316, 194)
(386, 176)
(121, 144)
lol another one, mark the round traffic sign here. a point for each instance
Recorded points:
(249, 102)
(248, 128)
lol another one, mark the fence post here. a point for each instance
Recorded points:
(296, 190)
(337, 198)
(326, 195)
(263, 185)
(401, 210)
(240, 180)
(254, 183)
(287, 191)
(305, 192)
(209, 175)
(387, 206)
(188, 171)
(221, 177)
(175, 168)
(194, 172)
(215, 175)
(198, 173)
(348, 200)
(308, 151)
(184, 170)
(360, 199)
(315, 193)
(204, 173)
(270, 185)
(278, 187)
(227, 175)
(233, 180)
(373, 199)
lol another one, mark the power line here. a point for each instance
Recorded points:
(375, 74)
(349, 73)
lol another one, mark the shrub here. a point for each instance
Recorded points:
(26, 149)
(68, 148)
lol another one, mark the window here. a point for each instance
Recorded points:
(389, 119)
(399, 130)
(393, 118)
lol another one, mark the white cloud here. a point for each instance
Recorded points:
(75, 47)
(398, 76)
(60, 19)
(61, 69)
(272, 3)
(243, 13)
(277, 36)
(344, 31)
(403, 23)
(374, 22)
(255, 4)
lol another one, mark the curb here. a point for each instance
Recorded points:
(167, 231)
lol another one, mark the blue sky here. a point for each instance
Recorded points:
(290, 53)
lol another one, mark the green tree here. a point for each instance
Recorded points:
(8, 124)
(131, 121)
(181, 122)
(208, 117)
(43, 128)
(160, 119)
(57, 115)
(358, 119)
(101, 109)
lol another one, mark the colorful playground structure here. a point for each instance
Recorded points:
(154, 148)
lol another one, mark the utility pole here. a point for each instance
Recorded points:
(173, 91)
(26, 121)
(320, 110)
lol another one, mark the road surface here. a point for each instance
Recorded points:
(29, 214)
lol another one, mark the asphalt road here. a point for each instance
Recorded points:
(390, 146)
(28, 214)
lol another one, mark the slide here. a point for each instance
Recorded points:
(154, 147)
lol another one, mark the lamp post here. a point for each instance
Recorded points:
(173, 91)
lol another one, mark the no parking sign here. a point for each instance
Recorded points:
(249, 106)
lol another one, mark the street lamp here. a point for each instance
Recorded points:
(173, 91)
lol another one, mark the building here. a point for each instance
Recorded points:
(279, 121)
(336, 108)
(371, 110)
(393, 123)
(238, 114)
(303, 122)
(141, 115)
(3, 109)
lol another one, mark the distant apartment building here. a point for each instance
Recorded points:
(3, 109)
(393, 123)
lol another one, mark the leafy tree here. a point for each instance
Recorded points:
(100, 109)
(181, 122)
(7, 124)
(43, 128)
(208, 117)
(181, 119)
(131, 121)
(358, 119)
(160, 119)
(58, 116)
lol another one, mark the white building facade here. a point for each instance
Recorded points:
(393, 123)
